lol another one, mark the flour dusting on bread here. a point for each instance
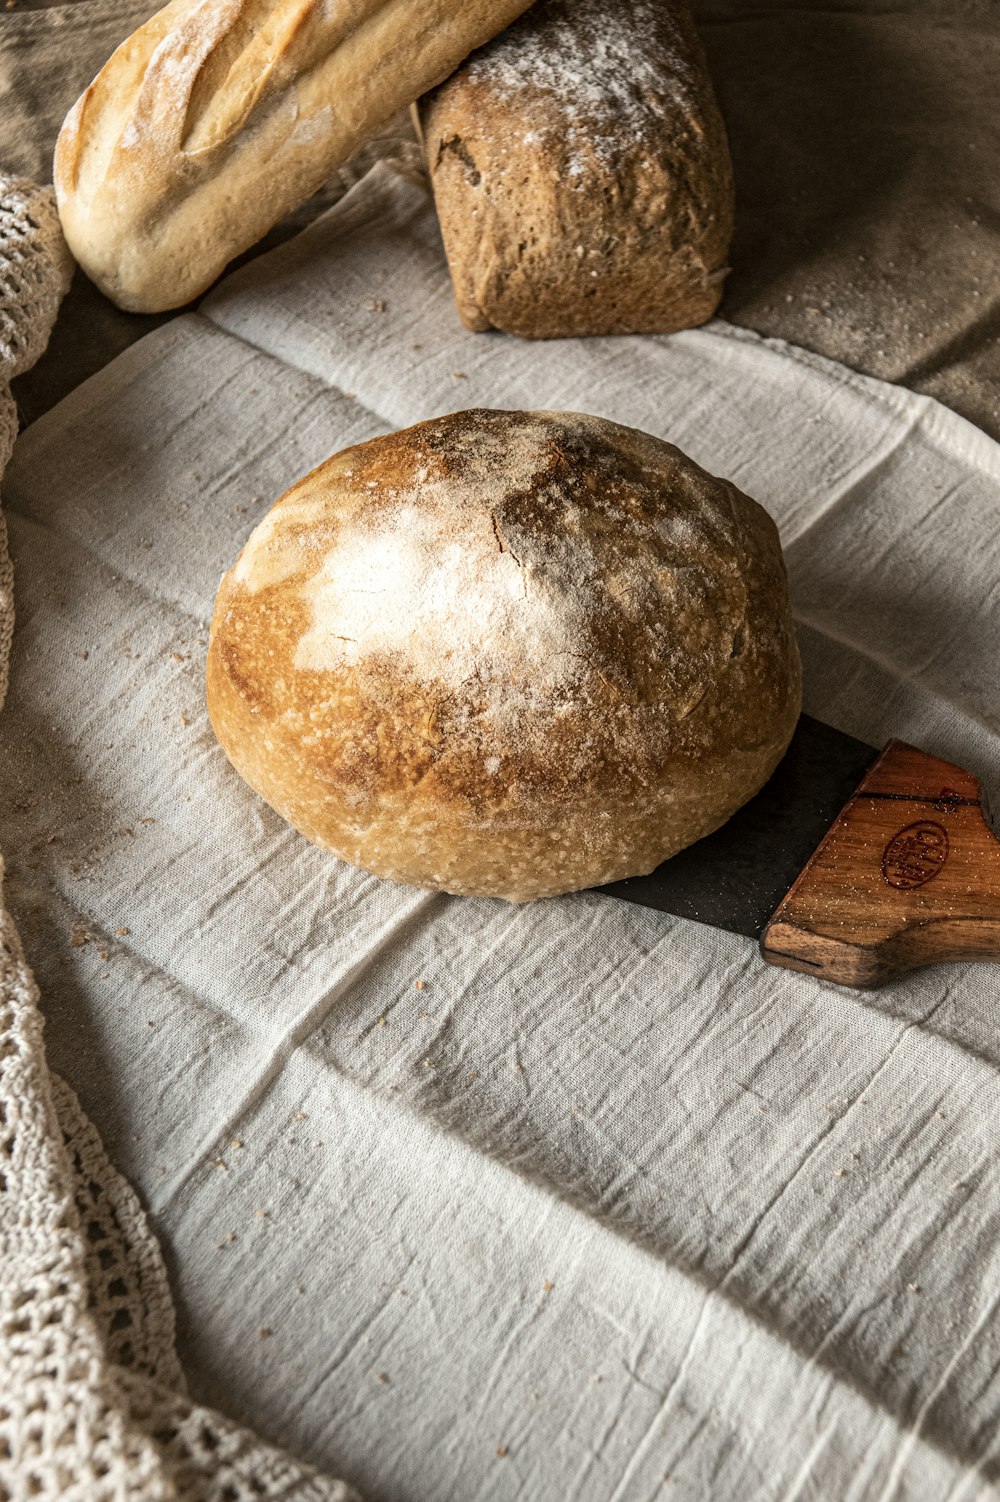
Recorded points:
(508, 567)
(602, 69)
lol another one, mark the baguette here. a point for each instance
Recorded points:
(217, 117)
(581, 173)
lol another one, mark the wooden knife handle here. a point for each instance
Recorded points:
(909, 875)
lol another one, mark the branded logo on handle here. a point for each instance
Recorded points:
(915, 855)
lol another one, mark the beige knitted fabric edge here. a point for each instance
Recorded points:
(35, 272)
(92, 1400)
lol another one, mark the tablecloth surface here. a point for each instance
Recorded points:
(602, 1208)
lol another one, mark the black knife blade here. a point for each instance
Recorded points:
(735, 878)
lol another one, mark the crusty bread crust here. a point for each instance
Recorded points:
(581, 173)
(506, 653)
(217, 117)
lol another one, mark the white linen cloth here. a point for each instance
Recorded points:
(604, 1208)
(93, 1405)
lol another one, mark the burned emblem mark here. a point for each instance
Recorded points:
(915, 855)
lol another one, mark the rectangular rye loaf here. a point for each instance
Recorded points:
(581, 173)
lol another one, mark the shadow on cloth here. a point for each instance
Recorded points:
(867, 213)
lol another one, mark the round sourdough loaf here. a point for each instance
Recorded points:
(506, 653)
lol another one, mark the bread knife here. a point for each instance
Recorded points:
(850, 865)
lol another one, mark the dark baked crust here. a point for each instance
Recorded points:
(507, 653)
(581, 173)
